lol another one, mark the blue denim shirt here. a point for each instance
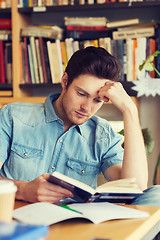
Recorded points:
(33, 142)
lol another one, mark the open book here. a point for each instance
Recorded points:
(47, 213)
(119, 191)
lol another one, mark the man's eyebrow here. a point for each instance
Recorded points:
(82, 90)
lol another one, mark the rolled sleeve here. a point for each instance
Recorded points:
(115, 152)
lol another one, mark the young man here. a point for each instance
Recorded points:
(64, 135)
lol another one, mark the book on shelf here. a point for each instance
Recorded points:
(121, 23)
(53, 32)
(48, 214)
(35, 60)
(55, 62)
(2, 63)
(27, 67)
(69, 47)
(140, 25)
(39, 62)
(5, 35)
(43, 56)
(5, 4)
(23, 73)
(8, 61)
(121, 55)
(158, 48)
(23, 231)
(5, 23)
(141, 56)
(119, 191)
(85, 21)
(46, 59)
(134, 33)
(85, 28)
(129, 46)
(105, 43)
(85, 35)
(152, 49)
(51, 60)
(64, 52)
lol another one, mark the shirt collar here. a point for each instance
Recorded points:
(49, 110)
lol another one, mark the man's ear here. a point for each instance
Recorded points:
(64, 80)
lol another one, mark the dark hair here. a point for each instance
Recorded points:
(95, 61)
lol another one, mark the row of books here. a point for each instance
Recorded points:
(5, 62)
(5, 4)
(43, 3)
(5, 35)
(44, 60)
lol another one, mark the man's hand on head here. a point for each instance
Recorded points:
(115, 92)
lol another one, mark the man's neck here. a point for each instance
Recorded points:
(58, 108)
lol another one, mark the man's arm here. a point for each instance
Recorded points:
(135, 160)
(40, 190)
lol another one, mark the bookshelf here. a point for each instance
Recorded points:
(54, 15)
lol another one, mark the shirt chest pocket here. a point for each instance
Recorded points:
(82, 171)
(24, 162)
(26, 152)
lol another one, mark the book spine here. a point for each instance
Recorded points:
(134, 58)
(141, 55)
(85, 28)
(135, 33)
(2, 63)
(30, 58)
(46, 58)
(34, 56)
(158, 48)
(42, 54)
(27, 60)
(39, 61)
(50, 55)
(129, 46)
(5, 23)
(83, 35)
(23, 74)
(120, 52)
(56, 63)
(152, 49)
(8, 61)
(59, 56)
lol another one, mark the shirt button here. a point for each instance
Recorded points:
(60, 141)
(53, 167)
(25, 154)
(82, 171)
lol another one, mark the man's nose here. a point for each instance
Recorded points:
(86, 105)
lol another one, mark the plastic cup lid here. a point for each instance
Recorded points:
(7, 186)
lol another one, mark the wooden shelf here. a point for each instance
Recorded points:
(91, 6)
(5, 86)
(5, 10)
(39, 85)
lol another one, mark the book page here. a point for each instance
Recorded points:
(47, 213)
(100, 212)
(43, 213)
(127, 185)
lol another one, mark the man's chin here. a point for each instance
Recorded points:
(81, 121)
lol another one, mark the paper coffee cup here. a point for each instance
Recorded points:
(7, 198)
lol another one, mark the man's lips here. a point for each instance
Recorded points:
(81, 115)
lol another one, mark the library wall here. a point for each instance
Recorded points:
(150, 118)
